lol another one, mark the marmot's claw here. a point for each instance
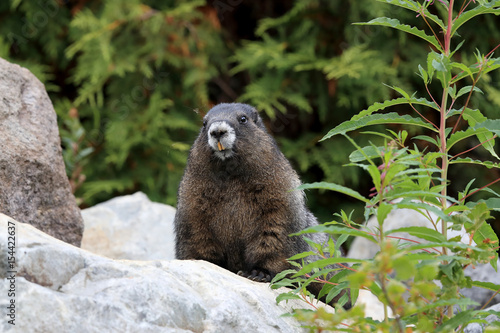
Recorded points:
(256, 275)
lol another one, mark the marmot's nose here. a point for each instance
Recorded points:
(218, 133)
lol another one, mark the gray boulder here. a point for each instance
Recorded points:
(35, 188)
(62, 288)
(362, 248)
(130, 227)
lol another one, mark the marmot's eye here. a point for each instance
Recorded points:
(204, 123)
(243, 119)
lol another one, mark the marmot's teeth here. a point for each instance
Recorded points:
(220, 146)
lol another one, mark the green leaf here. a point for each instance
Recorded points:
(444, 302)
(426, 138)
(420, 232)
(334, 187)
(491, 65)
(491, 124)
(485, 67)
(401, 91)
(423, 74)
(465, 71)
(417, 8)
(302, 255)
(319, 264)
(486, 285)
(382, 211)
(398, 101)
(458, 47)
(461, 135)
(370, 151)
(467, 89)
(449, 245)
(389, 118)
(491, 8)
(286, 296)
(375, 175)
(461, 318)
(441, 63)
(394, 23)
(468, 160)
(473, 116)
(492, 203)
(334, 230)
(485, 233)
(478, 121)
(405, 269)
(423, 208)
(479, 214)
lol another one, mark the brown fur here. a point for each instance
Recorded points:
(239, 211)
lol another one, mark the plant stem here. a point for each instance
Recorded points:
(442, 134)
(447, 38)
(444, 162)
(442, 125)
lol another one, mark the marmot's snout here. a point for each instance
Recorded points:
(221, 138)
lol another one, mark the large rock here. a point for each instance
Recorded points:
(34, 186)
(130, 227)
(62, 288)
(361, 248)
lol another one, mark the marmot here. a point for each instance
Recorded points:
(236, 203)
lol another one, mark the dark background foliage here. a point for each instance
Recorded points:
(131, 79)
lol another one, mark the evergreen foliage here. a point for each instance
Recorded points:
(130, 81)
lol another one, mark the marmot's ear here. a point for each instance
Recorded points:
(256, 119)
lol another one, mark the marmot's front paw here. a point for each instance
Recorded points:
(256, 275)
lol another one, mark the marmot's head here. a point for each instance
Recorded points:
(229, 124)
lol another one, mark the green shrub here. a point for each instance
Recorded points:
(419, 282)
(126, 78)
(130, 75)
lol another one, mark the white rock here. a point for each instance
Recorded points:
(130, 227)
(362, 248)
(61, 288)
(373, 307)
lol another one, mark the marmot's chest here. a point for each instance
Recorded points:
(238, 212)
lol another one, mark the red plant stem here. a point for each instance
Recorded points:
(491, 298)
(304, 297)
(468, 98)
(444, 157)
(430, 27)
(399, 238)
(432, 97)
(464, 6)
(442, 125)
(473, 85)
(346, 267)
(479, 189)
(496, 47)
(427, 120)
(468, 150)
(447, 38)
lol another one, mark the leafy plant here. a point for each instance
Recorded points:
(126, 79)
(417, 282)
(141, 73)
